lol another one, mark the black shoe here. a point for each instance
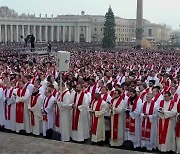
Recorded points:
(100, 143)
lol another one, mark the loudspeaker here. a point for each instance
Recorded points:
(63, 60)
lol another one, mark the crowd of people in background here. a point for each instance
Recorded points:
(113, 97)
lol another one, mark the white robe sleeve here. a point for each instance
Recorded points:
(172, 113)
(1, 94)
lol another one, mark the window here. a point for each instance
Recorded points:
(149, 32)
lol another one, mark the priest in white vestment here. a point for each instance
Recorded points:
(167, 112)
(148, 123)
(65, 105)
(80, 127)
(22, 113)
(133, 110)
(117, 108)
(34, 107)
(9, 107)
(98, 109)
(107, 98)
(48, 110)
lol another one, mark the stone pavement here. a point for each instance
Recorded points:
(17, 144)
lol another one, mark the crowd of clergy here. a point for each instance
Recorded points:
(106, 97)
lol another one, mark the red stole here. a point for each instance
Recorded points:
(147, 90)
(8, 107)
(123, 95)
(33, 79)
(115, 83)
(167, 82)
(178, 123)
(20, 106)
(105, 97)
(54, 92)
(156, 97)
(175, 98)
(76, 112)
(57, 111)
(54, 72)
(115, 122)
(112, 93)
(163, 129)
(17, 84)
(27, 84)
(100, 88)
(130, 123)
(121, 79)
(94, 118)
(166, 88)
(33, 103)
(39, 86)
(146, 131)
(143, 95)
(46, 102)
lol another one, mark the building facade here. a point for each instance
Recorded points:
(67, 28)
(176, 35)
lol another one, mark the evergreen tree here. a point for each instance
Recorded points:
(109, 30)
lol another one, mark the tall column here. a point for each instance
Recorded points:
(40, 33)
(57, 33)
(69, 33)
(139, 23)
(5, 33)
(23, 31)
(64, 30)
(11, 33)
(87, 34)
(77, 34)
(28, 33)
(0, 34)
(17, 33)
(34, 31)
(46, 33)
(52, 33)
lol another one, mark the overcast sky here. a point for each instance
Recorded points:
(157, 11)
